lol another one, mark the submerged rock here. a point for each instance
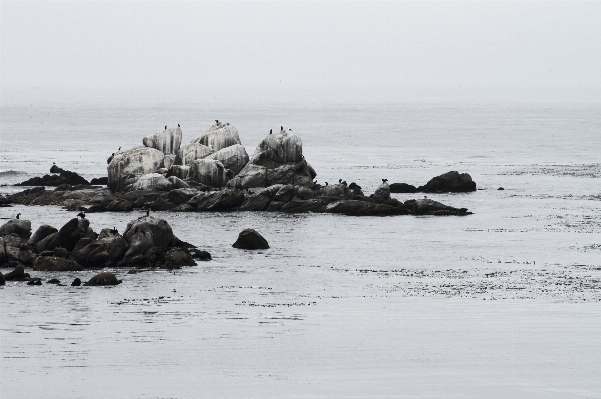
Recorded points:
(250, 239)
(167, 141)
(105, 278)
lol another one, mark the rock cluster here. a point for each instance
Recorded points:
(58, 177)
(450, 182)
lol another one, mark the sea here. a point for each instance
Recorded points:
(503, 303)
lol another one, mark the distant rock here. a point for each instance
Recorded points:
(430, 207)
(191, 152)
(167, 141)
(76, 282)
(500, 189)
(250, 239)
(101, 279)
(63, 177)
(128, 166)
(55, 264)
(402, 188)
(219, 136)
(450, 182)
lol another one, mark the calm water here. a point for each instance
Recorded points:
(503, 303)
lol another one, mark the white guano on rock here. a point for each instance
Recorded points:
(127, 166)
(167, 141)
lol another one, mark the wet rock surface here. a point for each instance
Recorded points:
(103, 279)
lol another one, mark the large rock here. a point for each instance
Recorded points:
(251, 176)
(191, 152)
(63, 177)
(177, 257)
(364, 208)
(151, 182)
(17, 274)
(43, 243)
(219, 136)
(121, 205)
(70, 234)
(180, 171)
(107, 251)
(177, 183)
(181, 195)
(221, 200)
(19, 227)
(338, 192)
(233, 157)
(55, 264)
(382, 193)
(127, 166)
(277, 149)
(42, 232)
(167, 141)
(105, 278)
(250, 239)
(209, 172)
(450, 182)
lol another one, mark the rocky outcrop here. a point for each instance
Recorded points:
(151, 182)
(402, 188)
(382, 193)
(222, 200)
(233, 157)
(17, 274)
(101, 279)
(100, 181)
(450, 182)
(430, 207)
(167, 141)
(219, 136)
(59, 177)
(191, 152)
(128, 166)
(71, 233)
(208, 172)
(250, 239)
(55, 264)
(19, 227)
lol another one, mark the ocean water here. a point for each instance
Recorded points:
(501, 303)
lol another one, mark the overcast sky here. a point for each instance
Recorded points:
(301, 45)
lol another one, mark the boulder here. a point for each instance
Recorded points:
(221, 200)
(338, 192)
(100, 181)
(277, 149)
(285, 193)
(2, 279)
(76, 282)
(127, 166)
(178, 257)
(19, 227)
(55, 264)
(17, 274)
(219, 136)
(203, 256)
(209, 172)
(42, 232)
(191, 152)
(276, 206)
(167, 141)
(167, 163)
(60, 252)
(43, 244)
(35, 281)
(364, 208)
(233, 157)
(180, 171)
(120, 206)
(250, 239)
(161, 205)
(151, 182)
(450, 182)
(63, 177)
(303, 206)
(181, 195)
(249, 177)
(177, 183)
(402, 188)
(260, 200)
(70, 234)
(382, 193)
(105, 278)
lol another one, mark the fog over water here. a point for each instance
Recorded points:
(501, 303)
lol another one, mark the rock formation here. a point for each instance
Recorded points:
(167, 141)
(250, 239)
(450, 182)
(128, 166)
(218, 136)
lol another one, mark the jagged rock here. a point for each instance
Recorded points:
(55, 264)
(285, 193)
(43, 244)
(402, 188)
(17, 274)
(177, 257)
(430, 207)
(219, 136)
(161, 205)
(166, 141)
(69, 234)
(76, 282)
(450, 182)
(233, 157)
(127, 166)
(209, 172)
(177, 183)
(64, 177)
(19, 227)
(217, 200)
(302, 206)
(120, 206)
(382, 193)
(181, 195)
(151, 182)
(191, 152)
(261, 199)
(42, 232)
(100, 181)
(105, 278)
(250, 239)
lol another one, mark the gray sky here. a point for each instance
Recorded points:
(326, 45)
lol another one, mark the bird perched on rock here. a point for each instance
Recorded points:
(384, 180)
(81, 215)
(326, 183)
(165, 127)
(339, 181)
(18, 215)
(114, 231)
(270, 131)
(281, 129)
(147, 212)
(178, 125)
(217, 121)
(344, 183)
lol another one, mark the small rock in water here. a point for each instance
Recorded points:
(200, 255)
(105, 278)
(250, 239)
(53, 281)
(35, 281)
(500, 188)
(16, 275)
(76, 282)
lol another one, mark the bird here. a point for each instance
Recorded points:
(270, 131)
(314, 181)
(119, 149)
(147, 212)
(81, 215)
(217, 121)
(178, 125)
(18, 215)
(326, 183)
(339, 181)
(344, 183)
(165, 127)
(384, 180)
(281, 129)
(114, 231)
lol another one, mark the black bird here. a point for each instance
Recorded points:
(178, 125)
(18, 215)
(384, 180)
(344, 183)
(314, 181)
(147, 212)
(270, 131)
(165, 127)
(339, 181)
(217, 121)
(326, 183)
(119, 149)
(114, 231)
(81, 215)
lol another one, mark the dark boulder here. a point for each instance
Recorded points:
(178, 257)
(60, 252)
(500, 189)
(19, 227)
(2, 280)
(120, 206)
(42, 232)
(222, 200)
(105, 278)
(97, 208)
(181, 195)
(18, 274)
(63, 177)
(101, 181)
(200, 255)
(382, 193)
(161, 205)
(70, 234)
(450, 182)
(43, 244)
(35, 281)
(76, 282)
(365, 208)
(303, 206)
(55, 264)
(402, 188)
(53, 281)
(250, 239)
